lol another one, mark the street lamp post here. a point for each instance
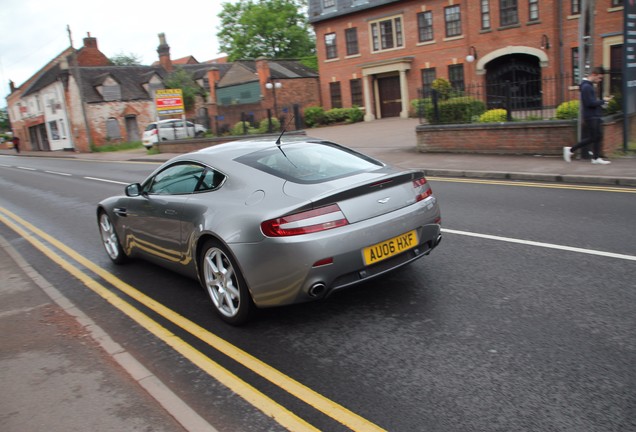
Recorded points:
(271, 85)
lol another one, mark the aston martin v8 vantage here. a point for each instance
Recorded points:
(262, 223)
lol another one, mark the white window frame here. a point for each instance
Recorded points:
(397, 33)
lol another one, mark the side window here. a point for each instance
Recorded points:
(183, 178)
(211, 180)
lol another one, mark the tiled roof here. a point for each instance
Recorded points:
(130, 78)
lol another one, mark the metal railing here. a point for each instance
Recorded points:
(526, 99)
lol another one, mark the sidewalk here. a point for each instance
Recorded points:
(393, 140)
(60, 372)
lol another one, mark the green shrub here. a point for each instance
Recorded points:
(494, 116)
(456, 110)
(568, 110)
(615, 105)
(314, 116)
(419, 106)
(354, 114)
(263, 126)
(336, 115)
(443, 87)
(239, 128)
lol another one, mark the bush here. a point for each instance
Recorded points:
(494, 116)
(615, 105)
(314, 116)
(263, 126)
(456, 110)
(239, 129)
(355, 114)
(443, 87)
(419, 106)
(568, 110)
(336, 115)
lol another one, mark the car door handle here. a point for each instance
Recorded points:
(170, 212)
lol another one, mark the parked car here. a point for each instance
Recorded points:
(171, 130)
(265, 224)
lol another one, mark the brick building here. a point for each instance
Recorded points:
(79, 100)
(377, 53)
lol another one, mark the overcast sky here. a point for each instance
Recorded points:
(34, 31)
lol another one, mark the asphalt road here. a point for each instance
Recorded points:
(523, 319)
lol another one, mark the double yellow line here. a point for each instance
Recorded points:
(268, 406)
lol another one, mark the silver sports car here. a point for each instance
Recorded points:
(261, 223)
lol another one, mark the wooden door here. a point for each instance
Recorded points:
(390, 97)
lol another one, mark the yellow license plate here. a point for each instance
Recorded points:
(389, 248)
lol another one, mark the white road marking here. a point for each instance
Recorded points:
(544, 245)
(58, 173)
(106, 181)
(26, 168)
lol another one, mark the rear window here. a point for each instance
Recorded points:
(310, 162)
(151, 126)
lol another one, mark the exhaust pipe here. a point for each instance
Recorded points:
(317, 289)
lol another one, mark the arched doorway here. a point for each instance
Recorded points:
(514, 80)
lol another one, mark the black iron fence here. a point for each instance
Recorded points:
(527, 99)
(244, 120)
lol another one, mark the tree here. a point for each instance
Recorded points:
(271, 28)
(182, 79)
(121, 59)
(4, 120)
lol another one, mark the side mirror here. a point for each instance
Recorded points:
(133, 190)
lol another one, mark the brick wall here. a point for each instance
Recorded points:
(539, 137)
(443, 52)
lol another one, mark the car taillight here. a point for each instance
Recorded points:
(320, 219)
(422, 189)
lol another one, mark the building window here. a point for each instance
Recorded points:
(351, 36)
(328, 4)
(336, 95)
(576, 76)
(111, 92)
(112, 129)
(509, 12)
(485, 14)
(330, 45)
(428, 76)
(533, 6)
(387, 34)
(456, 76)
(616, 3)
(62, 129)
(55, 134)
(576, 7)
(425, 26)
(356, 92)
(453, 21)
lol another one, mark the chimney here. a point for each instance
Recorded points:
(213, 77)
(90, 42)
(11, 86)
(164, 53)
(262, 70)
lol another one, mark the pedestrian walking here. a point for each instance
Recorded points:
(16, 143)
(592, 108)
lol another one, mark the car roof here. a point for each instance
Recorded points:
(234, 149)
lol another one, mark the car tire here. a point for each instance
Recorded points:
(110, 240)
(199, 134)
(224, 283)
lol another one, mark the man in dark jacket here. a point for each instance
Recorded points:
(592, 118)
